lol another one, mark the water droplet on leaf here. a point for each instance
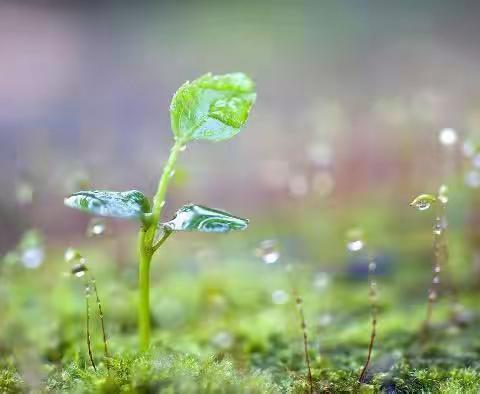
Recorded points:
(96, 227)
(423, 202)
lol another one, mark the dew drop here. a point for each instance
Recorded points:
(436, 279)
(437, 269)
(437, 229)
(321, 280)
(472, 179)
(443, 194)
(279, 297)
(79, 269)
(355, 246)
(222, 340)
(171, 174)
(72, 255)
(476, 161)
(423, 202)
(96, 227)
(24, 193)
(469, 148)
(432, 295)
(182, 148)
(372, 266)
(32, 257)
(268, 251)
(325, 320)
(448, 137)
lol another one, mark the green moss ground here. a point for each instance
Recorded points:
(216, 329)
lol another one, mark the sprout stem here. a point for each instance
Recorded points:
(89, 343)
(373, 295)
(102, 322)
(303, 326)
(146, 247)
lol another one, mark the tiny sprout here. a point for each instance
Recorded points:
(423, 202)
(80, 270)
(440, 249)
(210, 108)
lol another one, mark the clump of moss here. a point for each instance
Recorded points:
(160, 371)
(10, 379)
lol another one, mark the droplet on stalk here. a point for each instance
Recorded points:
(355, 241)
(423, 202)
(268, 251)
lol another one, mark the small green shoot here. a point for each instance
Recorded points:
(210, 108)
(440, 249)
(79, 269)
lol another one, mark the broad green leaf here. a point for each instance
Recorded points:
(193, 217)
(129, 204)
(212, 107)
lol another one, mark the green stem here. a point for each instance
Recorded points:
(144, 288)
(146, 247)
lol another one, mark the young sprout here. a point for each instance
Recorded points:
(80, 270)
(210, 108)
(440, 248)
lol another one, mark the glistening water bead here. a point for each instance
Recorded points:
(268, 251)
(96, 227)
(448, 137)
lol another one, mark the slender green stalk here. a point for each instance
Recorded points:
(102, 322)
(89, 341)
(146, 246)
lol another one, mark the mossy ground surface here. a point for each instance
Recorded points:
(216, 329)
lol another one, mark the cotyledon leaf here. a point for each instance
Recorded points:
(193, 217)
(212, 107)
(129, 204)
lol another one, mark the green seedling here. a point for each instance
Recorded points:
(440, 249)
(80, 270)
(210, 108)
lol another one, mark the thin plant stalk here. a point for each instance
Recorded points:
(303, 326)
(102, 323)
(147, 246)
(89, 341)
(373, 296)
(440, 260)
